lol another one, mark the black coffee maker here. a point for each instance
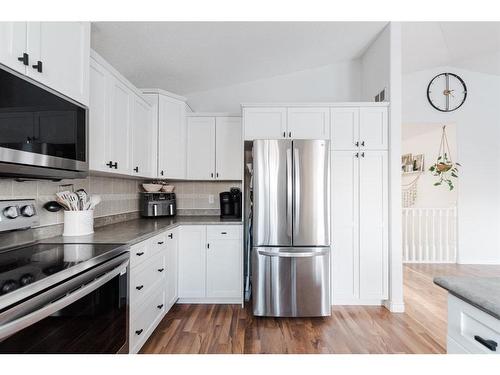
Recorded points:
(230, 204)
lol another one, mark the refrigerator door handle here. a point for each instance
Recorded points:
(294, 254)
(296, 190)
(289, 192)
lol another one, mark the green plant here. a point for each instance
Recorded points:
(445, 169)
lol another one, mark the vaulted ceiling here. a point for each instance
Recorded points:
(185, 57)
(468, 45)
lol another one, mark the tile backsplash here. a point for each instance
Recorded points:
(196, 194)
(119, 195)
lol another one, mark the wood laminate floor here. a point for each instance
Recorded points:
(225, 329)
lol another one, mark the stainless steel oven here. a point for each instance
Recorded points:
(69, 306)
(43, 134)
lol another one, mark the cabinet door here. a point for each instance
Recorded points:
(192, 261)
(13, 45)
(344, 128)
(373, 128)
(373, 227)
(98, 117)
(120, 110)
(172, 267)
(171, 138)
(201, 148)
(224, 279)
(264, 123)
(228, 148)
(141, 138)
(345, 216)
(308, 123)
(63, 48)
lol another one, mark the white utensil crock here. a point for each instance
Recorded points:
(78, 223)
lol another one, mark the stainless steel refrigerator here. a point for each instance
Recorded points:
(291, 228)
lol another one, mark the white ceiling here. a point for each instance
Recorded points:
(467, 45)
(185, 57)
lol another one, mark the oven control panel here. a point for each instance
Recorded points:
(18, 214)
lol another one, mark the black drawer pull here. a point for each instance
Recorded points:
(490, 344)
(139, 331)
(160, 306)
(223, 232)
(161, 269)
(171, 235)
(37, 66)
(161, 242)
(139, 254)
(136, 169)
(24, 59)
(139, 287)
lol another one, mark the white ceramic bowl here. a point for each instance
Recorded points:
(168, 188)
(151, 188)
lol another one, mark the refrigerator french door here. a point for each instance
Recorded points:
(291, 228)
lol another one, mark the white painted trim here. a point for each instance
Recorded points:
(203, 300)
(394, 307)
(163, 92)
(101, 61)
(326, 104)
(213, 114)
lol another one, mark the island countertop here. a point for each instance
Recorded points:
(133, 231)
(480, 292)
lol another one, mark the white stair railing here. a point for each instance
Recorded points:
(429, 235)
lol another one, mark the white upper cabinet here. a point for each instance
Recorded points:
(118, 128)
(373, 128)
(345, 128)
(308, 123)
(13, 45)
(142, 138)
(201, 148)
(214, 148)
(264, 123)
(59, 55)
(229, 148)
(171, 138)
(364, 128)
(56, 54)
(98, 117)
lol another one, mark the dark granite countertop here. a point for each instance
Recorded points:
(133, 231)
(480, 292)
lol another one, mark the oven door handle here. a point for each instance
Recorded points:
(16, 325)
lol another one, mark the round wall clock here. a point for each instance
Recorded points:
(446, 92)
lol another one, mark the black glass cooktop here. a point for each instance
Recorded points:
(23, 266)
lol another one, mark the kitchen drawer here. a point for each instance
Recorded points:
(145, 320)
(145, 277)
(157, 243)
(139, 253)
(468, 326)
(223, 232)
(453, 347)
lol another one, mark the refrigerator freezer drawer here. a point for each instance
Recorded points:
(291, 282)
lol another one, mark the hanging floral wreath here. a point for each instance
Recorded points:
(444, 168)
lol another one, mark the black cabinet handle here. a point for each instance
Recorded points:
(139, 331)
(161, 242)
(115, 166)
(362, 154)
(490, 344)
(356, 154)
(363, 143)
(24, 59)
(171, 235)
(161, 173)
(208, 246)
(356, 144)
(284, 134)
(160, 306)
(37, 66)
(161, 269)
(136, 169)
(139, 287)
(290, 134)
(110, 164)
(139, 254)
(211, 175)
(217, 174)
(223, 232)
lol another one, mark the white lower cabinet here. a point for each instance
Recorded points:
(152, 285)
(359, 227)
(210, 264)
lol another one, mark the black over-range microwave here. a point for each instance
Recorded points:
(43, 134)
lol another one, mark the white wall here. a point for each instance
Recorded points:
(425, 139)
(478, 135)
(336, 82)
(375, 67)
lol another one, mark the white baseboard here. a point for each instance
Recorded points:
(357, 302)
(201, 301)
(394, 307)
